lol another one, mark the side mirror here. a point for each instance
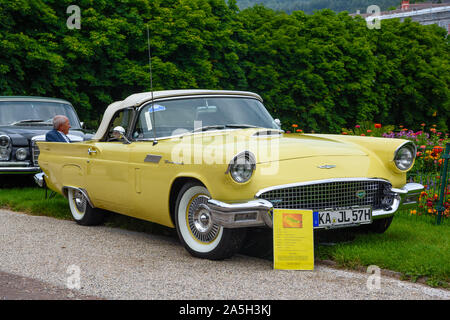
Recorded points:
(82, 124)
(119, 133)
(119, 130)
(278, 122)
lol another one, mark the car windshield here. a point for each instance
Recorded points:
(35, 113)
(180, 116)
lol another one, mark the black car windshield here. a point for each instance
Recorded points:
(179, 116)
(35, 113)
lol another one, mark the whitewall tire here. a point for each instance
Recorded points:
(196, 229)
(81, 210)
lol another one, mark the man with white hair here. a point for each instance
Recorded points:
(60, 130)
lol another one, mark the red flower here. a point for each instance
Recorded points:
(369, 130)
(299, 130)
(378, 125)
(438, 149)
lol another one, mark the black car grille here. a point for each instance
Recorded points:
(34, 153)
(330, 195)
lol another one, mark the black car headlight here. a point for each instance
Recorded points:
(242, 166)
(21, 154)
(404, 156)
(5, 147)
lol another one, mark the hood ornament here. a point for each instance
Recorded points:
(327, 166)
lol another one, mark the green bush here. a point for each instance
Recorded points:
(324, 71)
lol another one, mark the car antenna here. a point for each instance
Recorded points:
(155, 141)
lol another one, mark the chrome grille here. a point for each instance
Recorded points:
(35, 153)
(329, 195)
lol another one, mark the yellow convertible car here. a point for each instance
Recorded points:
(213, 163)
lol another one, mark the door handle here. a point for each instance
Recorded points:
(91, 151)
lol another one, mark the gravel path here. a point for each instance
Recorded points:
(119, 264)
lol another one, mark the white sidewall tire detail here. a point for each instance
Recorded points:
(76, 214)
(90, 216)
(183, 227)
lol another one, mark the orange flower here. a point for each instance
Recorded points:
(363, 134)
(378, 125)
(299, 130)
(344, 132)
(294, 125)
(422, 124)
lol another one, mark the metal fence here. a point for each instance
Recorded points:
(432, 170)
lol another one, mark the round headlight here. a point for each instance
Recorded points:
(404, 156)
(242, 166)
(4, 141)
(21, 154)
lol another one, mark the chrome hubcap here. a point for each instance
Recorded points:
(80, 201)
(200, 221)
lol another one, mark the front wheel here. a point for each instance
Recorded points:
(380, 225)
(200, 236)
(377, 226)
(81, 210)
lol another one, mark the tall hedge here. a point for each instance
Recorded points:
(323, 71)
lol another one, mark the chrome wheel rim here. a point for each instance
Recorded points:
(80, 201)
(200, 221)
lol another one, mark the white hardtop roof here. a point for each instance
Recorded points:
(138, 99)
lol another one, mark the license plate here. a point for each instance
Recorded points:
(342, 217)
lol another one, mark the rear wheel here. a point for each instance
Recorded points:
(81, 210)
(200, 236)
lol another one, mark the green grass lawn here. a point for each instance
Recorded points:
(414, 246)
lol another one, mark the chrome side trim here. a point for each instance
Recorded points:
(298, 184)
(152, 158)
(84, 192)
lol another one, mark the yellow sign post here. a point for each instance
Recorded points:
(293, 239)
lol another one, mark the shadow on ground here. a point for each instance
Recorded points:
(259, 242)
(17, 181)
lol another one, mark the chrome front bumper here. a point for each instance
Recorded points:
(258, 212)
(17, 167)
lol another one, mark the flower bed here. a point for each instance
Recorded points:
(430, 144)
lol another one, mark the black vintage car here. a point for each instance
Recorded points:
(24, 120)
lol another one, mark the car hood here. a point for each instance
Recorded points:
(288, 146)
(20, 135)
(270, 146)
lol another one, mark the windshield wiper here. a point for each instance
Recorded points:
(232, 125)
(223, 126)
(27, 121)
(205, 128)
